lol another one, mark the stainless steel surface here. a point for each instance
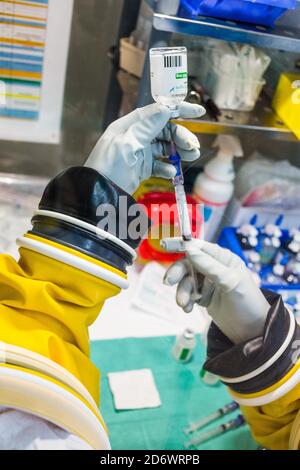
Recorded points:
(281, 37)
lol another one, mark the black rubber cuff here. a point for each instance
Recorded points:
(82, 240)
(79, 192)
(233, 361)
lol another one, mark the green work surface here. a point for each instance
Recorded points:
(184, 397)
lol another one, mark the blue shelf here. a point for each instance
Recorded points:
(278, 38)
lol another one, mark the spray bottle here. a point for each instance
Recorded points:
(214, 187)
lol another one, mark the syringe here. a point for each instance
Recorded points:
(221, 429)
(196, 425)
(169, 87)
(182, 206)
(178, 183)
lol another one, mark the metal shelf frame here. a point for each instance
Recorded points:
(262, 119)
(278, 38)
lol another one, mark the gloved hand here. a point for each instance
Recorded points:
(227, 288)
(130, 149)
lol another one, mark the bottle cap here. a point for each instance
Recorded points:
(254, 257)
(253, 241)
(278, 270)
(272, 230)
(248, 230)
(294, 246)
(189, 334)
(276, 242)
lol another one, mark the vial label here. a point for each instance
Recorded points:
(172, 61)
(169, 77)
(184, 354)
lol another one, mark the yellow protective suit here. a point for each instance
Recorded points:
(46, 308)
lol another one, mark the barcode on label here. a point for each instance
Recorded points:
(172, 61)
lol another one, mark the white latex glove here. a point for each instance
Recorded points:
(130, 149)
(227, 288)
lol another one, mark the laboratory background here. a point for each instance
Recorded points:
(90, 64)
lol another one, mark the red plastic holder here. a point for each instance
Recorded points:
(162, 210)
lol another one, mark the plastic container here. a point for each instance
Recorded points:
(258, 12)
(165, 222)
(286, 101)
(208, 378)
(214, 187)
(184, 346)
(236, 99)
(132, 58)
(228, 239)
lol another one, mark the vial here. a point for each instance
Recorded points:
(169, 76)
(208, 378)
(184, 346)
(248, 236)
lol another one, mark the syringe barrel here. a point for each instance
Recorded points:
(183, 212)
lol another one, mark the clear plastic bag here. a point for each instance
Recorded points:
(264, 183)
(233, 75)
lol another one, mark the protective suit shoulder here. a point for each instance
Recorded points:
(68, 267)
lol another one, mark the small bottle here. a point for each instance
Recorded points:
(292, 272)
(169, 76)
(215, 185)
(184, 346)
(247, 235)
(293, 245)
(253, 259)
(208, 378)
(271, 242)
